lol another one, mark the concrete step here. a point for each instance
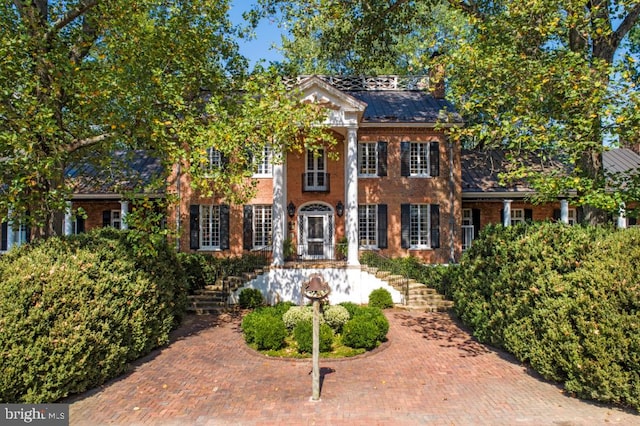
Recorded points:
(208, 296)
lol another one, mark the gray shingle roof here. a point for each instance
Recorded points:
(405, 106)
(480, 169)
(127, 171)
(620, 160)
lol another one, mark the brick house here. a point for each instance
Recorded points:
(399, 186)
(394, 188)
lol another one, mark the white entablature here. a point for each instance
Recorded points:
(344, 110)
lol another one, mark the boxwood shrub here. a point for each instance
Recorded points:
(564, 299)
(367, 329)
(303, 335)
(74, 311)
(250, 298)
(380, 298)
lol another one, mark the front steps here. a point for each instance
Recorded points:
(417, 296)
(213, 299)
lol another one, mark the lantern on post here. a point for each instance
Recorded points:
(316, 289)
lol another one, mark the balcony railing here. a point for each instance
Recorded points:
(367, 83)
(315, 182)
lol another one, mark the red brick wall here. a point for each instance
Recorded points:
(395, 190)
(93, 210)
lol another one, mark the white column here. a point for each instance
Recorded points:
(622, 216)
(124, 210)
(564, 211)
(279, 213)
(351, 191)
(506, 218)
(68, 220)
(10, 231)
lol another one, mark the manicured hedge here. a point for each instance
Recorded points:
(564, 299)
(74, 311)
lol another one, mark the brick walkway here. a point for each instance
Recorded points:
(429, 372)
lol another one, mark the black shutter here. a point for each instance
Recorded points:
(475, 217)
(528, 215)
(580, 214)
(405, 158)
(224, 161)
(382, 226)
(382, 158)
(194, 227)
(557, 215)
(434, 159)
(435, 226)
(28, 233)
(247, 227)
(502, 217)
(632, 221)
(79, 225)
(5, 229)
(224, 227)
(106, 218)
(405, 225)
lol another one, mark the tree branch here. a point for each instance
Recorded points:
(81, 143)
(627, 23)
(69, 17)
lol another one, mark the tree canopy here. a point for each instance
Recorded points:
(82, 78)
(550, 79)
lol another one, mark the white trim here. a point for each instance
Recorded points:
(351, 195)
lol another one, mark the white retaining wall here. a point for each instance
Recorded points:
(347, 285)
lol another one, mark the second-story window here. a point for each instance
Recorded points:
(367, 159)
(315, 177)
(263, 162)
(420, 159)
(214, 159)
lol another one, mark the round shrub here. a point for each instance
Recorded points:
(380, 298)
(269, 332)
(376, 317)
(296, 314)
(303, 335)
(249, 326)
(358, 332)
(250, 298)
(352, 308)
(336, 317)
(75, 311)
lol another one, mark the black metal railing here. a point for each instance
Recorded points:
(315, 182)
(320, 251)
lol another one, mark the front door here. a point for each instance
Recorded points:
(316, 236)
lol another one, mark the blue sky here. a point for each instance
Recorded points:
(267, 34)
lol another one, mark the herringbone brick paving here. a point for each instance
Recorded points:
(430, 372)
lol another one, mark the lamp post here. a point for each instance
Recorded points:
(316, 289)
